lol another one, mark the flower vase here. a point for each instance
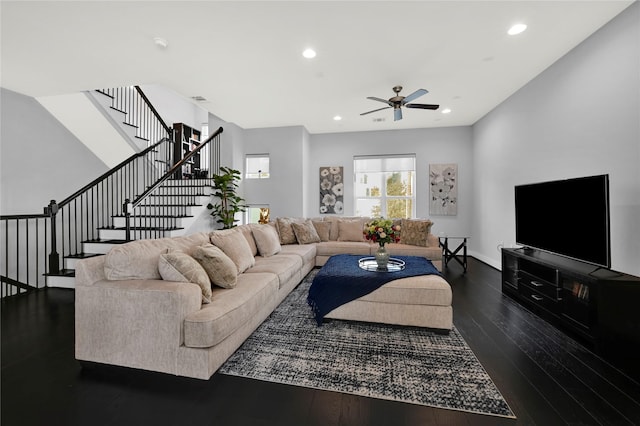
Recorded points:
(382, 257)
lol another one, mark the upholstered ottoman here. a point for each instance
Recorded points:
(423, 301)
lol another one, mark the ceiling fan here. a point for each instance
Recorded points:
(397, 102)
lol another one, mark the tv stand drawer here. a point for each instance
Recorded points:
(538, 285)
(538, 299)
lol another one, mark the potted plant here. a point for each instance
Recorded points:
(229, 203)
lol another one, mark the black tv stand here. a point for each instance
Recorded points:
(597, 306)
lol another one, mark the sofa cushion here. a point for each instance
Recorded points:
(139, 259)
(432, 253)
(285, 230)
(350, 230)
(180, 267)
(235, 245)
(285, 266)
(306, 251)
(219, 267)
(267, 239)
(305, 232)
(323, 229)
(331, 248)
(415, 231)
(231, 310)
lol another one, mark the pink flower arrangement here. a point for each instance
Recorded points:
(382, 231)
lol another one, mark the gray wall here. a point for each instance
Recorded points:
(580, 117)
(431, 146)
(40, 159)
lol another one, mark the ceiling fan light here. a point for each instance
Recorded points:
(517, 29)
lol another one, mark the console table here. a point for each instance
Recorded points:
(448, 254)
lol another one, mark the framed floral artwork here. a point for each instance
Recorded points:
(443, 189)
(331, 190)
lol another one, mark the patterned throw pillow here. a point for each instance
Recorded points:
(305, 232)
(180, 267)
(267, 239)
(285, 230)
(415, 231)
(219, 267)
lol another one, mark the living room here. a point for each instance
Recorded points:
(579, 117)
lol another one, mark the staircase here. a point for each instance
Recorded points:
(170, 213)
(139, 198)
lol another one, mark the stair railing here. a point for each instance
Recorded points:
(139, 112)
(146, 218)
(35, 244)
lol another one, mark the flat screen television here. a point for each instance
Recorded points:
(566, 217)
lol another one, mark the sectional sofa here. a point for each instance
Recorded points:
(183, 305)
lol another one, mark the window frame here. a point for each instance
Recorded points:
(257, 174)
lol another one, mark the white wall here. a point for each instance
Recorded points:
(283, 191)
(431, 146)
(580, 117)
(174, 108)
(40, 159)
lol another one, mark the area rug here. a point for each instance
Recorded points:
(406, 364)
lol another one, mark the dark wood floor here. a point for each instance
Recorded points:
(546, 377)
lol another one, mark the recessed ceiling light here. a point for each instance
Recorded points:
(517, 29)
(446, 110)
(337, 118)
(161, 42)
(309, 53)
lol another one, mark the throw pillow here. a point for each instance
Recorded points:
(285, 230)
(180, 267)
(219, 267)
(323, 229)
(267, 239)
(233, 243)
(350, 230)
(305, 232)
(415, 231)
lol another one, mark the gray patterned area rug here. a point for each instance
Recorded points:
(406, 364)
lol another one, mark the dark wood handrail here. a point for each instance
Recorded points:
(153, 110)
(174, 169)
(109, 173)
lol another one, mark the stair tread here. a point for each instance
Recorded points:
(62, 273)
(82, 255)
(169, 205)
(141, 228)
(154, 215)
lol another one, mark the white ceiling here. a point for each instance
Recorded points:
(245, 57)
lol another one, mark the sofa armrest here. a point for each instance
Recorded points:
(89, 271)
(133, 323)
(433, 241)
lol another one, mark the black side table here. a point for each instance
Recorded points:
(447, 254)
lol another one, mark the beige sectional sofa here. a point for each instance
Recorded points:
(183, 305)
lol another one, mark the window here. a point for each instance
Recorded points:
(257, 166)
(256, 214)
(385, 186)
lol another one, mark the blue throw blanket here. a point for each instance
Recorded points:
(341, 280)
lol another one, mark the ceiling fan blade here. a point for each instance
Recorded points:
(373, 98)
(414, 95)
(397, 114)
(375, 110)
(422, 106)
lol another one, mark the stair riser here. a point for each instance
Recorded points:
(98, 248)
(61, 282)
(151, 221)
(120, 234)
(160, 210)
(177, 190)
(175, 199)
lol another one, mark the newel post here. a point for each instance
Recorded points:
(54, 259)
(126, 209)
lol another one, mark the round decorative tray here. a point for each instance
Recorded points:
(370, 264)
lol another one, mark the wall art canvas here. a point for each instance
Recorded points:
(331, 190)
(443, 189)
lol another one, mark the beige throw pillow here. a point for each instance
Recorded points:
(233, 243)
(285, 230)
(323, 229)
(350, 230)
(305, 232)
(180, 267)
(267, 239)
(219, 267)
(415, 231)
